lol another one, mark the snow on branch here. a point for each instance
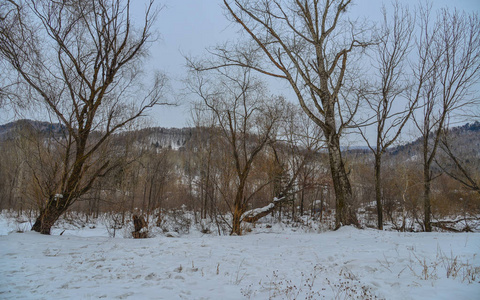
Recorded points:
(253, 215)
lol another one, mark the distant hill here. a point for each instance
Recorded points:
(12, 129)
(465, 138)
(169, 138)
(158, 137)
(473, 127)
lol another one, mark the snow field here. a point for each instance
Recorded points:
(345, 264)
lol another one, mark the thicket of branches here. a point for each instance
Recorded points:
(200, 177)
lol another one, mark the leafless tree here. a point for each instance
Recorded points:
(246, 120)
(448, 68)
(394, 44)
(307, 44)
(80, 59)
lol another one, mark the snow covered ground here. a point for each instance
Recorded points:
(267, 263)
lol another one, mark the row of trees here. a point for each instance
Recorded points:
(421, 62)
(81, 61)
(201, 178)
(201, 175)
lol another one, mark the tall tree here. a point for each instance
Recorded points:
(391, 51)
(80, 60)
(447, 70)
(307, 44)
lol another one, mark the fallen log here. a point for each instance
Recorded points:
(443, 225)
(256, 214)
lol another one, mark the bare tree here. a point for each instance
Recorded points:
(446, 72)
(307, 44)
(394, 43)
(293, 163)
(80, 59)
(246, 120)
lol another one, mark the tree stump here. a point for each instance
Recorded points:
(140, 227)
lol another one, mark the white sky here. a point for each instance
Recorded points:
(188, 27)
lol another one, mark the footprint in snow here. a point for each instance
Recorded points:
(124, 296)
(150, 276)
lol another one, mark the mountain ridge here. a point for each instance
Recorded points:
(176, 138)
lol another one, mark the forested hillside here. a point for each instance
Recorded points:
(158, 170)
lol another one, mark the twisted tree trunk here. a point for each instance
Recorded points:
(344, 211)
(55, 207)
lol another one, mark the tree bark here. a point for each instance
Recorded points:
(378, 190)
(344, 212)
(50, 214)
(237, 215)
(426, 198)
(302, 198)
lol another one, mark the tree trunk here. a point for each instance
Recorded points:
(237, 215)
(302, 198)
(344, 212)
(238, 209)
(378, 190)
(426, 198)
(49, 215)
(58, 204)
(254, 215)
(206, 194)
(321, 205)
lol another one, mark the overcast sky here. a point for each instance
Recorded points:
(187, 27)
